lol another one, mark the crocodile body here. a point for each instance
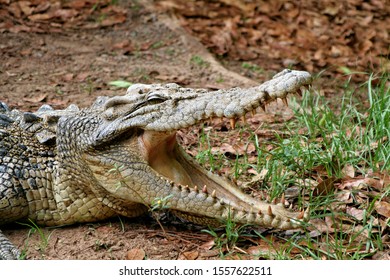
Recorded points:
(120, 156)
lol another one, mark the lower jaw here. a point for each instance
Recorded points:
(168, 159)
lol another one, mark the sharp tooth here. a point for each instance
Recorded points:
(306, 214)
(233, 123)
(270, 211)
(301, 91)
(263, 107)
(204, 189)
(301, 215)
(243, 118)
(284, 99)
(213, 194)
(253, 112)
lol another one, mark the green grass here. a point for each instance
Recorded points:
(199, 61)
(120, 84)
(227, 240)
(44, 240)
(348, 131)
(252, 67)
(350, 136)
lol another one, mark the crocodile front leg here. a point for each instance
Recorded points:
(8, 251)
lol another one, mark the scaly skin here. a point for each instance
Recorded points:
(120, 156)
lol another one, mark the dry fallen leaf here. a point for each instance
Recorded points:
(68, 77)
(208, 245)
(348, 170)
(191, 255)
(135, 254)
(359, 183)
(356, 213)
(382, 255)
(35, 99)
(81, 77)
(26, 8)
(112, 20)
(383, 208)
(40, 17)
(235, 149)
(318, 227)
(327, 186)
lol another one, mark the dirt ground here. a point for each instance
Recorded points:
(70, 55)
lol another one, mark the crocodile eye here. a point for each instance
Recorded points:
(155, 99)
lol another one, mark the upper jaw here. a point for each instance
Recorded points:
(167, 108)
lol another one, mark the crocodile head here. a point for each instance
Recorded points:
(137, 134)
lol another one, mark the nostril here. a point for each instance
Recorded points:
(138, 89)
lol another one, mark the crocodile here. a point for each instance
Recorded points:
(120, 156)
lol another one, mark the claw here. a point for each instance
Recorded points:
(270, 211)
(213, 194)
(283, 199)
(263, 107)
(284, 99)
(301, 215)
(233, 123)
(204, 189)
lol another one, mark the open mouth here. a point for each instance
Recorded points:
(168, 158)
